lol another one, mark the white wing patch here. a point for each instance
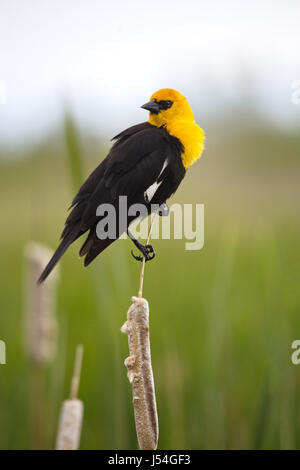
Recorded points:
(149, 193)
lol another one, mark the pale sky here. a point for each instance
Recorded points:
(105, 59)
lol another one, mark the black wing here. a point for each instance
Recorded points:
(134, 163)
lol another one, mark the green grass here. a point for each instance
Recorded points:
(222, 319)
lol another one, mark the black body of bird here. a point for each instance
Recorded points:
(146, 163)
(133, 164)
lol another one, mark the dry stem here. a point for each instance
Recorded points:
(77, 372)
(140, 292)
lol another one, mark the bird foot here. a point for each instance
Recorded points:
(147, 252)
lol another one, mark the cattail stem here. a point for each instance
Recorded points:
(140, 292)
(77, 372)
(139, 367)
(70, 421)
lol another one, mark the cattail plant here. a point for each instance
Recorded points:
(41, 331)
(139, 368)
(40, 310)
(71, 414)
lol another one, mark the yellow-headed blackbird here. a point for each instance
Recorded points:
(146, 164)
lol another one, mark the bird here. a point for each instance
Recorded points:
(146, 163)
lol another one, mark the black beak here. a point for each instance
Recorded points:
(152, 106)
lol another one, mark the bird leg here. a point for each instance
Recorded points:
(146, 250)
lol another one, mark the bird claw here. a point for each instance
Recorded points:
(150, 253)
(137, 257)
(147, 251)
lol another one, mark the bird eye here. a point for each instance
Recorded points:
(165, 104)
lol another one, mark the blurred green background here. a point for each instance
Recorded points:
(222, 320)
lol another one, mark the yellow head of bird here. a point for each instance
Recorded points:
(166, 106)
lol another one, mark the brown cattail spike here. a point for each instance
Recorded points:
(41, 323)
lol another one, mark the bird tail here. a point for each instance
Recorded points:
(93, 246)
(64, 244)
